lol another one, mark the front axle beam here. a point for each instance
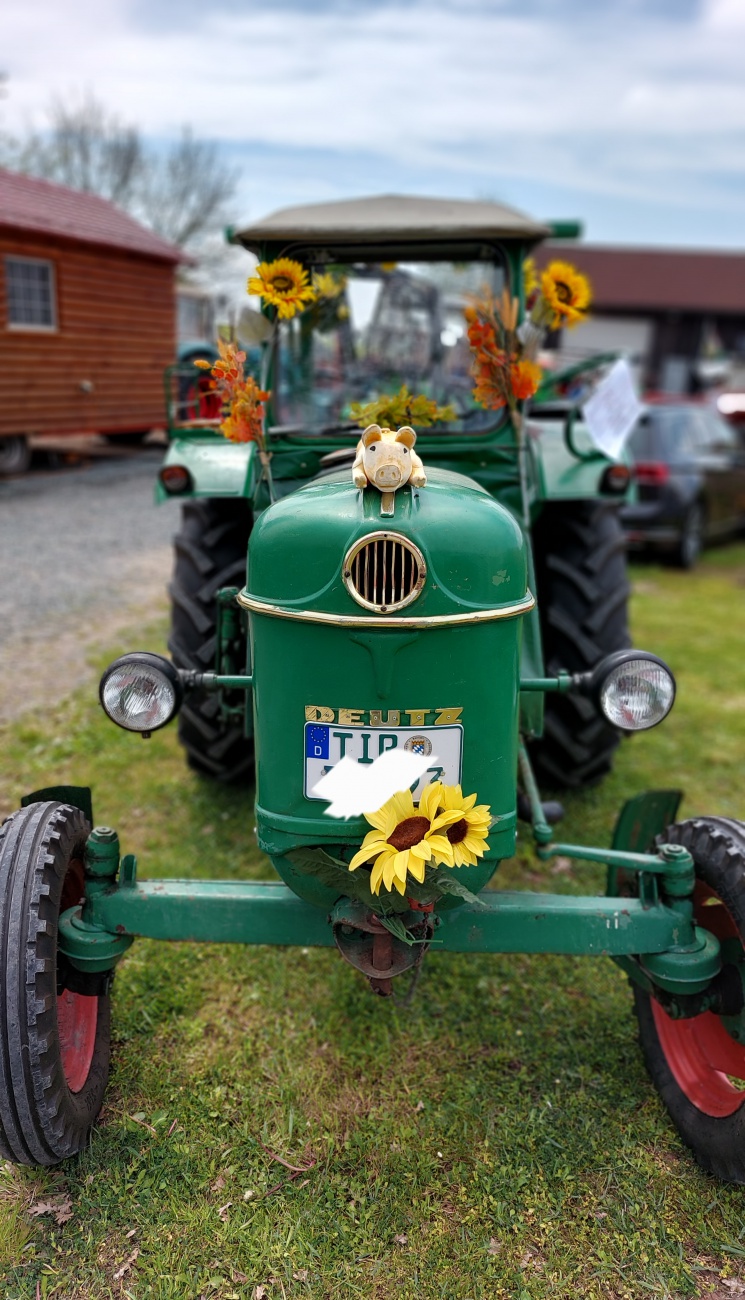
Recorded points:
(270, 913)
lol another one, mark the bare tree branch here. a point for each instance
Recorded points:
(182, 193)
(184, 196)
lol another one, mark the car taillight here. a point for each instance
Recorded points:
(651, 473)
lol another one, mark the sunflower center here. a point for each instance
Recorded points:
(409, 832)
(563, 292)
(458, 831)
(282, 283)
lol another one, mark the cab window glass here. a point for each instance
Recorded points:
(376, 327)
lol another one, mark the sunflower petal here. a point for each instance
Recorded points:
(377, 819)
(376, 876)
(400, 868)
(403, 804)
(389, 869)
(451, 797)
(429, 800)
(417, 869)
(366, 852)
(421, 850)
(447, 818)
(442, 849)
(479, 847)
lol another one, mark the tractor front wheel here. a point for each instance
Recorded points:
(210, 548)
(580, 558)
(698, 1064)
(54, 1022)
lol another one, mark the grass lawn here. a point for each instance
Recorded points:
(499, 1138)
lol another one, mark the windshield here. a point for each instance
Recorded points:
(378, 326)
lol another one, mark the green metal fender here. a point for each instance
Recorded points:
(218, 468)
(566, 467)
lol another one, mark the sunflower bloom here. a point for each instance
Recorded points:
(566, 291)
(468, 833)
(284, 284)
(404, 839)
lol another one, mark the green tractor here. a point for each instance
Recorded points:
(467, 620)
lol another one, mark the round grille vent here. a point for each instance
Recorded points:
(384, 571)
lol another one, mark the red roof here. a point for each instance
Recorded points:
(656, 279)
(30, 204)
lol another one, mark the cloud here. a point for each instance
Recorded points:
(641, 100)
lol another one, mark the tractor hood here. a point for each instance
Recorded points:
(449, 552)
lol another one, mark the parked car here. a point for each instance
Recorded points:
(690, 475)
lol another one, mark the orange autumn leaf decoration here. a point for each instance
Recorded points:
(241, 399)
(502, 376)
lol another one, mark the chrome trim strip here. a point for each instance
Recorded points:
(353, 620)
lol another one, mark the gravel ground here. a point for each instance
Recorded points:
(85, 554)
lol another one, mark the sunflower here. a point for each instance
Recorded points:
(566, 292)
(468, 831)
(405, 839)
(284, 284)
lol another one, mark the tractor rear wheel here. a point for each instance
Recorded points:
(698, 1065)
(580, 558)
(210, 553)
(54, 1022)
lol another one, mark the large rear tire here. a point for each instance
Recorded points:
(54, 1022)
(580, 557)
(210, 553)
(697, 1066)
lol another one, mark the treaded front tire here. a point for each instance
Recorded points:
(210, 553)
(580, 557)
(692, 1062)
(54, 1039)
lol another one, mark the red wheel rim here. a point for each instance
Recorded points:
(700, 1052)
(77, 1015)
(77, 1019)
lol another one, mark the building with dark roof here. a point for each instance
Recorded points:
(670, 310)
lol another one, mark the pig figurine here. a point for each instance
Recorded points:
(387, 459)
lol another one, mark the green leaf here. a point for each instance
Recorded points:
(399, 930)
(447, 884)
(351, 884)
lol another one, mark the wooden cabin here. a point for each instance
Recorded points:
(87, 316)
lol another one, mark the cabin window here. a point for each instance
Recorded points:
(30, 293)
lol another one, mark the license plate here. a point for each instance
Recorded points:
(325, 746)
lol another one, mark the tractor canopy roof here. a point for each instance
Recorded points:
(389, 222)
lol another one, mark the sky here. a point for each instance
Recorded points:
(627, 114)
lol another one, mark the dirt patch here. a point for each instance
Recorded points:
(47, 662)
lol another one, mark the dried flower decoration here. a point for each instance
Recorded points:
(504, 354)
(241, 399)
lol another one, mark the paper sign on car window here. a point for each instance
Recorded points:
(613, 410)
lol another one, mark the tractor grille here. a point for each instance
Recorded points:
(384, 572)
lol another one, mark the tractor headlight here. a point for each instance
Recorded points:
(141, 691)
(634, 689)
